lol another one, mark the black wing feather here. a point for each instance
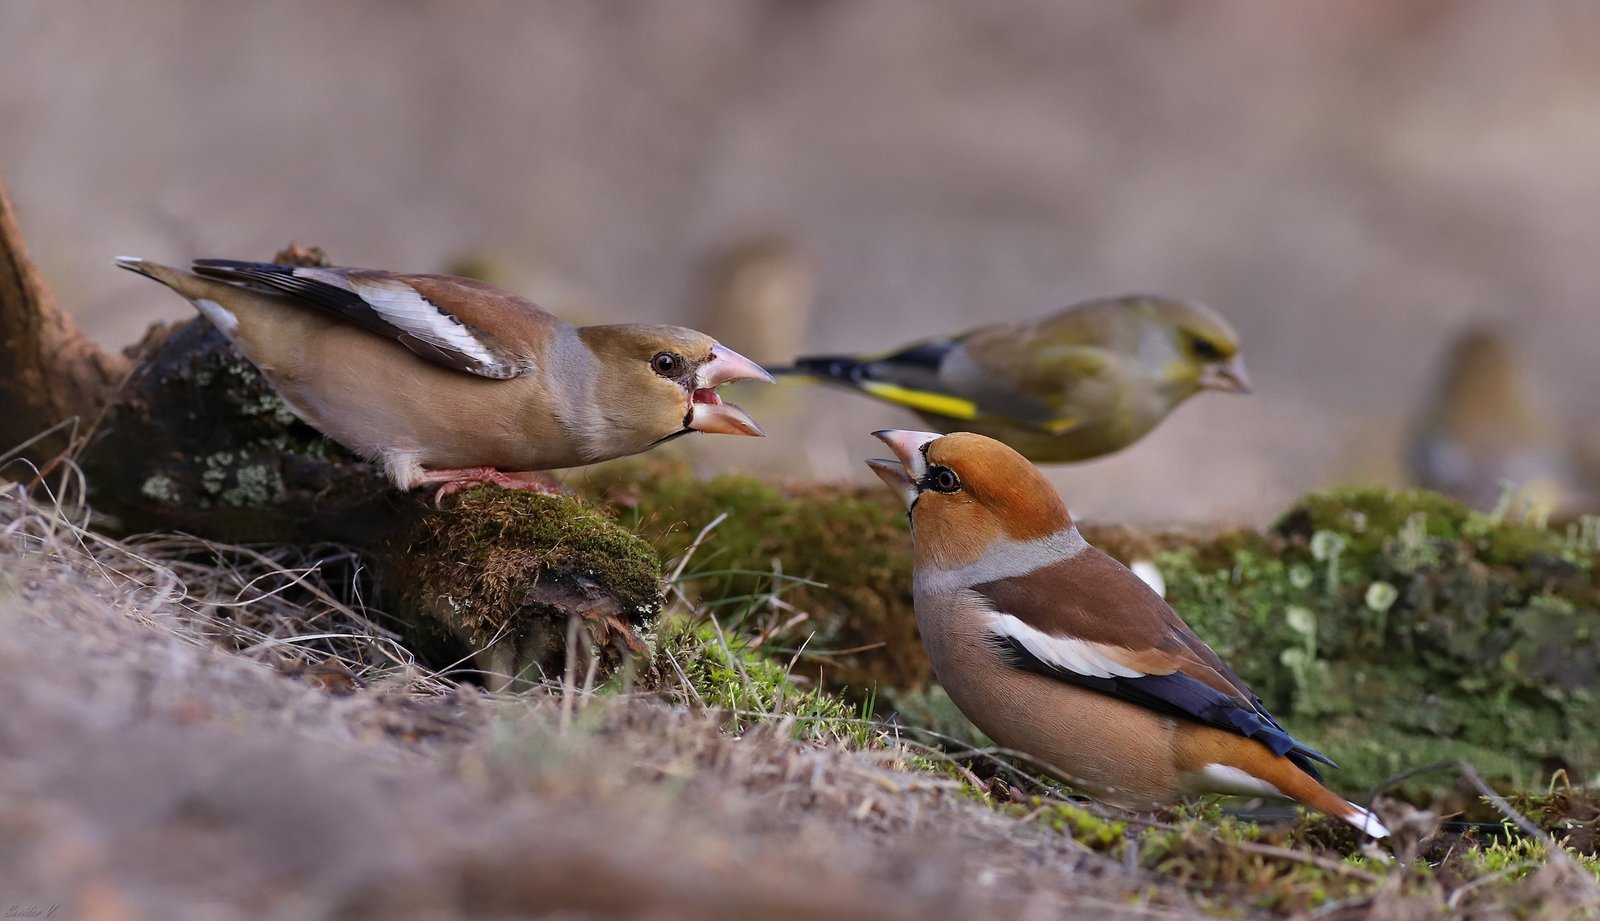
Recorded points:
(915, 366)
(1181, 696)
(272, 278)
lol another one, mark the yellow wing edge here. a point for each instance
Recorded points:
(1060, 426)
(937, 403)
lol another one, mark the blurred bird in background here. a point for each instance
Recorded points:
(1081, 383)
(1587, 452)
(1482, 430)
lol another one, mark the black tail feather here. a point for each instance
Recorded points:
(841, 368)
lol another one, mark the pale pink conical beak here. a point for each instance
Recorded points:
(894, 476)
(1228, 377)
(707, 412)
(727, 366)
(902, 474)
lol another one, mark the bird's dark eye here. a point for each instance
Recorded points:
(1206, 350)
(942, 479)
(666, 364)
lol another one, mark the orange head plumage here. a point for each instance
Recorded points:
(966, 492)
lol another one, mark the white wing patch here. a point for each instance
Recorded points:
(1148, 571)
(221, 317)
(1223, 778)
(401, 305)
(1366, 821)
(1064, 652)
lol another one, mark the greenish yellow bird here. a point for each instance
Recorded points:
(1081, 383)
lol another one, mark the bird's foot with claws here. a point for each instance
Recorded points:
(454, 480)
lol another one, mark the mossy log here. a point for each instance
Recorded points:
(198, 441)
(509, 577)
(831, 562)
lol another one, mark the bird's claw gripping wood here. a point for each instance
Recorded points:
(453, 481)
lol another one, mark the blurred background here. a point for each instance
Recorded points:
(1356, 185)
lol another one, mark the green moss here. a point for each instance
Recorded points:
(160, 488)
(1085, 827)
(1315, 864)
(722, 672)
(838, 555)
(1393, 628)
(1389, 628)
(506, 569)
(1370, 518)
(1570, 815)
(1205, 859)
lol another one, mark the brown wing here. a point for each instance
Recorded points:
(1094, 598)
(457, 323)
(1089, 621)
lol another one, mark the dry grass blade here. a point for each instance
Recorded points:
(1555, 853)
(273, 604)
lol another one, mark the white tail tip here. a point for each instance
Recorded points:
(1366, 821)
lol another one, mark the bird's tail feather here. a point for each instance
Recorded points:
(1300, 787)
(176, 279)
(842, 368)
(141, 266)
(1364, 819)
(837, 369)
(1281, 776)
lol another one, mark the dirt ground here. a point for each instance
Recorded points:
(205, 731)
(146, 773)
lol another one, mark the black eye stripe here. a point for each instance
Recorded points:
(940, 479)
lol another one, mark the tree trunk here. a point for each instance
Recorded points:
(52, 372)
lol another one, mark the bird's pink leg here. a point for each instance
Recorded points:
(451, 480)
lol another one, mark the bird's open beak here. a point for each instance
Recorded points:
(727, 366)
(894, 476)
(1228, 377)
(902, 474)
(707, 412)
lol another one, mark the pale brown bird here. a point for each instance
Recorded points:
(1058, 651)
(1084, 382)
(447, 381)
(1482, 430)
